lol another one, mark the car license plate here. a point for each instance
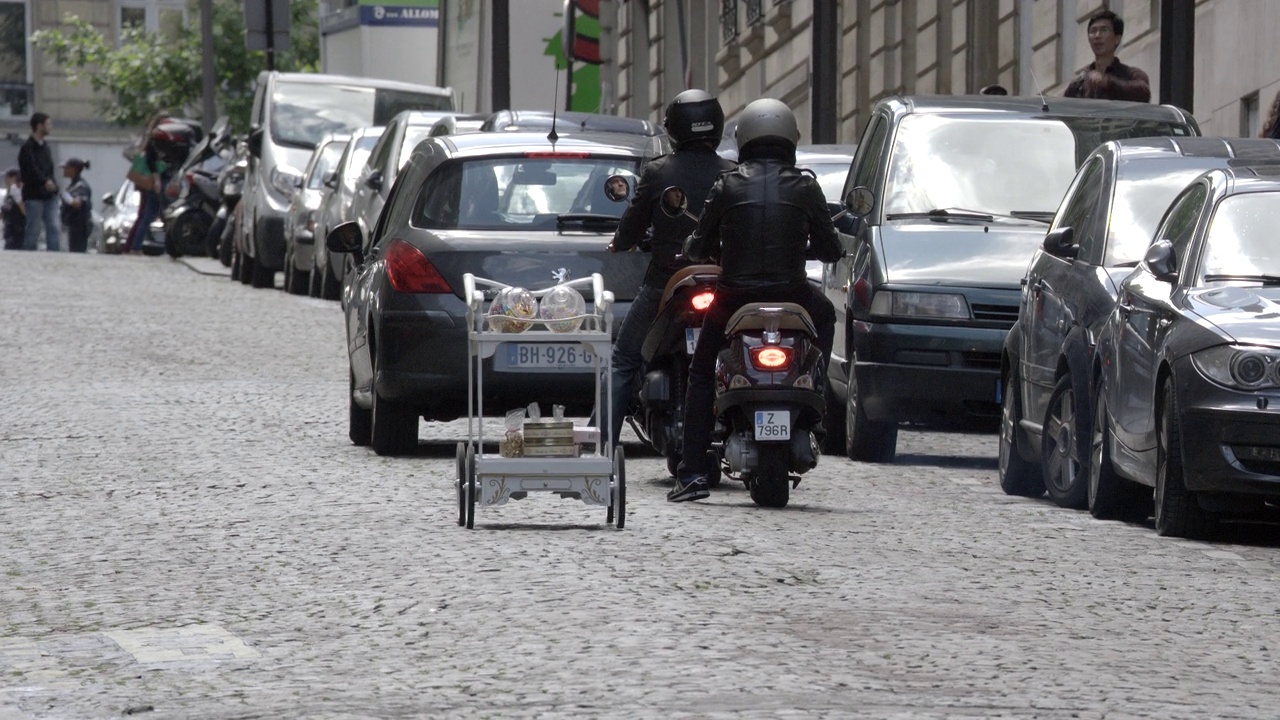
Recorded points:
(691, 338)
(543, 357)
(773, 425)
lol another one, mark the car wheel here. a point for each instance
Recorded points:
(330, 286)
(1018, 476)
(395, 425)
(359, 420)
(866, 439)
(834, 422)
(298, 280)
(1111, 497)
(235, 266)
(1064, 447)
(1178, 511)
(313, 282)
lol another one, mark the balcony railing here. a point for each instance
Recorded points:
(755, 11)
(728, 20)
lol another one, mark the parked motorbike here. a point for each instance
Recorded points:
(189, 219)
(231, 188)
(769, 398)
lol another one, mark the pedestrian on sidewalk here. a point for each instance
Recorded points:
(13, 214)
(77, 205)
(1107, 78)
(39, 189)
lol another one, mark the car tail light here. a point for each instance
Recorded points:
(411, 272)
(702, 300)
(770, 358)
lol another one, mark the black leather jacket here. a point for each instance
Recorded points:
(693, 169)
(762, 220)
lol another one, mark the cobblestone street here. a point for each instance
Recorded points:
(188, 533)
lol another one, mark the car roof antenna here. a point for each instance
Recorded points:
(1044, 104)
(553, 136)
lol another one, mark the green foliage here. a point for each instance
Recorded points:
(148, 72)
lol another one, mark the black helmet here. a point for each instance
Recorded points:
(694, 115)
(767, 118)
(173, 141)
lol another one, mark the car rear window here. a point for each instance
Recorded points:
(517, 192)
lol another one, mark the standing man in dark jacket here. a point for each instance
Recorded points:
(761, 220)
(39, 189)
(695, 121)
(1106, 77)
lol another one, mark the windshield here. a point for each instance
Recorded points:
(1143, 192)
(1241, 239)
(302, 113)
(328, 159)
(830, 177)
(996, 166)
(527, 193)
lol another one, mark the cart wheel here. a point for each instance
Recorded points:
(460, 483)
(471, 486)
(618, 509)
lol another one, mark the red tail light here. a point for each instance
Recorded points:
(770, 358)
(702, 301)
(411, 272)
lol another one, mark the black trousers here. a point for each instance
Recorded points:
(700, 395)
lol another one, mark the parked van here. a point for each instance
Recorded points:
(291, 113)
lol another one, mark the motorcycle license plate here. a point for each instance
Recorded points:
(773, 425)
(691, 338)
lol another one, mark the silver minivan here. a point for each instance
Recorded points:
(291, 112)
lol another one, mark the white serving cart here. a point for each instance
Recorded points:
(597, 476)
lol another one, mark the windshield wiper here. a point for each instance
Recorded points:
(942, 215)
(610, 222)
(1264, 279)
(1044, 216)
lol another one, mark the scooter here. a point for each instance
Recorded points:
(231, 188)
(769, 399)
(189, 218)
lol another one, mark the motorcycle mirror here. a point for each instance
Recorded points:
(674, 202)
(345, 238)
(617, 188)
(860, 201)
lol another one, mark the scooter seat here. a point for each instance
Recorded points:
(770, 316)
(680, 276)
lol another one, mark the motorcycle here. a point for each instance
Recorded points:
(190, 217)
(769, 394)
(231, 188)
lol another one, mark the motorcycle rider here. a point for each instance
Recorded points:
(758, 220)
(694, 121)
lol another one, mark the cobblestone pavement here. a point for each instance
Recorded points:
(187, 533)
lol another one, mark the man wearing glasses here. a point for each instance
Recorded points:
(1106, 77)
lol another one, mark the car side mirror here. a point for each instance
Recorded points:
(345, 238)
(374, 180)
(1061, 243)
(331, 179)
(109, 199)
(255, 142)
(1162, 261)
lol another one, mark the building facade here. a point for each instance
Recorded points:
(31, 83)
(746, 49)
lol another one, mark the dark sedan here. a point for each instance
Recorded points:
(1189, 363)
(951, 195)
(1100, 232)
(511, 207)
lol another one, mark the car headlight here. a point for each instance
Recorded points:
(1240, 367)
(920, 304)
(285, 179)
